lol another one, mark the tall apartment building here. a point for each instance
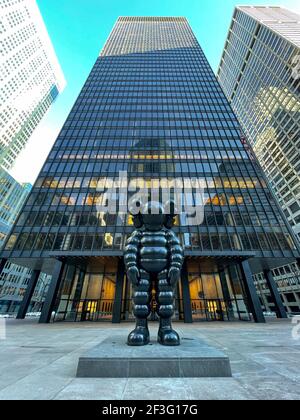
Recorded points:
(152, 109)
(260, 75)
(31, 77)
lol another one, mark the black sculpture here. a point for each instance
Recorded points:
(153, 258)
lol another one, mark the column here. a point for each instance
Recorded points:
(79, 286)
(280, 311)
(252, 296)
(298, 262)
(186, 298)
(2, 264)
(226, 295)
(28, 294)
(117, 307)
(52, 292)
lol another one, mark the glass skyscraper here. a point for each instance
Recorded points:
(152, 108)
(260, 75)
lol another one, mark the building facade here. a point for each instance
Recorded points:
(31, 79)
(260, 75)
(151, 114)
(31, 75)
(287, 279)
(14, 280)
(12, 198)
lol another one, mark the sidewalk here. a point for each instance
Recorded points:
(39, 361)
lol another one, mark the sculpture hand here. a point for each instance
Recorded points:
(133, 274)
(174, 274)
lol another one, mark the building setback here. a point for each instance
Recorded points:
(151, 107)
(260, 75)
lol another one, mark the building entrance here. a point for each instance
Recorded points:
(87, 295)
(91, 294)
(94, 310)
(216, 295)
(127, 315)
(208, 309)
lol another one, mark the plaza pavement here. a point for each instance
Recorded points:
(39, 361)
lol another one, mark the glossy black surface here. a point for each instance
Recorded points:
(153, 258)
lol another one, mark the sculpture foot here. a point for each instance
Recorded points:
(138, 337)
(168, 337)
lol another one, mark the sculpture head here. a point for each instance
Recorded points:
(155, 216)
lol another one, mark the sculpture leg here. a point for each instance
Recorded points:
(141, 309)
(166, 335)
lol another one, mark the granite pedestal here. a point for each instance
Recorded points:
(112, 358)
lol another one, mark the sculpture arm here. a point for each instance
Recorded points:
(176, 257)
(131, 256)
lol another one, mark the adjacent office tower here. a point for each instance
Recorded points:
(31, 77)
(13, 284)
(12, 198)
(260, 75)
(151, 107)
(13, 278)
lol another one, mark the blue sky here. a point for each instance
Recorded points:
(78, 30)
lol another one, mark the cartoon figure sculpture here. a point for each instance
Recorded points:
(153, 258)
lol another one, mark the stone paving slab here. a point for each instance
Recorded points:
(39, 361)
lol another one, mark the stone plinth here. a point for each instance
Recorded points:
(114, 359)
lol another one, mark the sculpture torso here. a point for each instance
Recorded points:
(153, 253)
(153, 250)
